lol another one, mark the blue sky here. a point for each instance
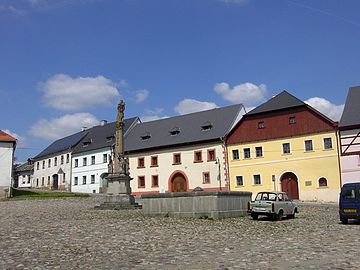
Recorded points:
(65, 64)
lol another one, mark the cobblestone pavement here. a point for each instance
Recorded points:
(71, 234)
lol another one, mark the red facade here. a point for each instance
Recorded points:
(278, 125)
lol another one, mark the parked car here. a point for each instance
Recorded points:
(272, 204)
(349, 202)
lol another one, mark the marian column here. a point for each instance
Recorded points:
(119, 140)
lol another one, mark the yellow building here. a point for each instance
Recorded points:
(285, 145)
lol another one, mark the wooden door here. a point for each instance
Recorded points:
(178, 183)
(289, 184)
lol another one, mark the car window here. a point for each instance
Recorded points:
(349, 193)
(281, 197)
(272, 197)
(258, 197)
(286, 198)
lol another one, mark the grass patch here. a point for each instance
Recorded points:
(28, 194)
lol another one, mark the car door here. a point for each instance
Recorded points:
(288, 205)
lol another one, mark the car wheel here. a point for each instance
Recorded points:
(254, 216)
(280, 215)
(344, 220)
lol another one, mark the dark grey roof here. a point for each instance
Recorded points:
(103, 136)
(185, 129)
(351, 113)
(62, 144)
(281, 101)
(26, 166)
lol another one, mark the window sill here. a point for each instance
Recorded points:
(310, 151)
(141, 187)
(206, 183)
(322, 187)
(153, 166)
(140, 167)
(200, 161)
(176, 164)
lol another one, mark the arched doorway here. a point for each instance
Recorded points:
(55, 182)
(289, 184)
(178, 183)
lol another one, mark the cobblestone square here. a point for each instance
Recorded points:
(71, 234)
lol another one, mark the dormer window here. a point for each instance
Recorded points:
(145, 136)
(292, 120)
(175, 131)
(206, 126)
(86, 143)
(110, 138)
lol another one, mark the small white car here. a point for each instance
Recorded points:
(272, 204)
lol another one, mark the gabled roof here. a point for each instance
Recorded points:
(103, 136)
(281, 101)
(4, 137)
(351, 113)
(185, 129)
(62, 144)
(26, 166)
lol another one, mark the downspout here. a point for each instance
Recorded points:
(226, 163)
(70, 181)
(337, 133)
(12, 170)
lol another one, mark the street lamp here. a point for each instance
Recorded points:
(219, 172)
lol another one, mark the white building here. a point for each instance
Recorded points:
(91, 157)
(23, 175)
(350, 137)
(168, 155)
(52, 167)
(7, 149)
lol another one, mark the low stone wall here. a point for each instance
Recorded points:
(214, 204)
(4, 192)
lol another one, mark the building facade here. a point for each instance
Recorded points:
(285, 145)
(23, 175)
(7, 149)
(350, 137)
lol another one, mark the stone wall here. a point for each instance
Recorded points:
(214, 204)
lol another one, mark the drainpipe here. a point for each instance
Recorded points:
(337, 133)
(226, 163)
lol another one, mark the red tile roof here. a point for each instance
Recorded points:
(4, 137)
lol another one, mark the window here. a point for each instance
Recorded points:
(55, 161)
(28, 181)
(84, 161)
(322, 182)
(76, 164)
(247, 153)
(292, 120)
(141, 181)
(146, 136)
(92, 160)
(37, 165)
(286, 148)
(84, 180)
(49, 163)
(235, 154)
(197, 156)
(206, 126)
(261, 124)
(43, 166)
(206, 178)
(257, 179)
(175, 131)
(154, 161)
(42, 181)
(211, 155)
(154, 181)
(37, 182)
(67, 158)
(141, 162)
(258, 151)
(308, 183)
(239, 180)
(105, 159)
(92, 179)
(176, 159)
(62, 160)
(48, 181)
(76, 180)
(327, 143)
(309, 145)
(64, 178)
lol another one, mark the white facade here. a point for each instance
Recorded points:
(25, 181)
(89, 176)
(6, 164)
(53, 172)
(350, 159)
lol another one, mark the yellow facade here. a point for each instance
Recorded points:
(309, 166)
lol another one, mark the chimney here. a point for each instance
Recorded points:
(103, 123)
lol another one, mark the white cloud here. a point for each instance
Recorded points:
(237, 2)
(21, 141)
(191, 105)
(248, 94)
(71, 94)
(324, 106)
(56, 128)
(141, 96)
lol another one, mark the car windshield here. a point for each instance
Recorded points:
(265, 196)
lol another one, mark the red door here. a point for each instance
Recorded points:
(178, 183)
(289, 184)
